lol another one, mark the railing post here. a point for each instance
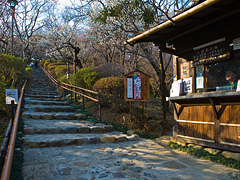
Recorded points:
(58, 87)
(99, 104)
(83, 101)
(63, 91)
(12, 111)
(75, 95)
(71, 94)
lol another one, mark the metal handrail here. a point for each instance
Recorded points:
(11, 145)
(94, 92)
(49, 75)
(62, 85)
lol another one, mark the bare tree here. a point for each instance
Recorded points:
(129, 18)
(29, 22)
(5, 26)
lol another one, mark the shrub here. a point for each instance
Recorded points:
(64, 79)
(62, 70)
(46, 64)
(12, 70)
(28, 71)
(52, 64)
(85, 78)
(112, 93)
(48, 60)
(51, 69)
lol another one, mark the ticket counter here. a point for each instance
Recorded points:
(205, 41)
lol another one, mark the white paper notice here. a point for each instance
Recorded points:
(199, 81)
(129, 88)
(238, 85)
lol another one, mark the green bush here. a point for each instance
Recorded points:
(48, 60)
(112, 93)
(12, 71)
(85, 78)
(28, 71)
(51, 69)
(64, 79)
(46, 64)
(62, 70)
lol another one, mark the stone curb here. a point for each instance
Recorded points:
(54, 115)
(56, 142)
(68, 130)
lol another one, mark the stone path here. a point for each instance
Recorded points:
(60, 144)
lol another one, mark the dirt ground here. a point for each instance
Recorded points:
(151, 122)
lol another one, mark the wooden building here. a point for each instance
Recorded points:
(206, 43)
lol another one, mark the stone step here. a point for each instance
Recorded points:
(30, 101)
(49, 108)
(43, 99)
(32, 126)
(41, 87)
(53, 115)
(54, 140)
(42, 92)
(42, 96)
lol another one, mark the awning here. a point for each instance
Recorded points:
(209, 21)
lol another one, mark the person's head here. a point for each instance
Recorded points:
(231, 75)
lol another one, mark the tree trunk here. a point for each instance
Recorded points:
(159, 69)
(77, 61)
(163, 86)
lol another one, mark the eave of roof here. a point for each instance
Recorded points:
(168, 23)
(201, 18)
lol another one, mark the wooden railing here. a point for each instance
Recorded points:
(11, 145)
(73, 91)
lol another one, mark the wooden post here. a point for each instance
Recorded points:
(74, 72)
(217, 121)
(143, 105)
(131, 104)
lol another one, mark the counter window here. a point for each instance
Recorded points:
(219, 76)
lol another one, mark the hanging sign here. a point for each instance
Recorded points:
(185, 70)
(11, 94)
(211, 54)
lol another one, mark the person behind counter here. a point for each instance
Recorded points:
(231, 77)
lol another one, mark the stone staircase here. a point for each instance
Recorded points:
(51, 122)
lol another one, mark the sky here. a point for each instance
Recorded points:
(63, 3)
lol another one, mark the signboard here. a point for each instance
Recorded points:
(137, 86)
(211, 54)
(130, 88)
(185, 70)
(11, 94)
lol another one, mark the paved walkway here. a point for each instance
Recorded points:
(140, 160)
(60, 144)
